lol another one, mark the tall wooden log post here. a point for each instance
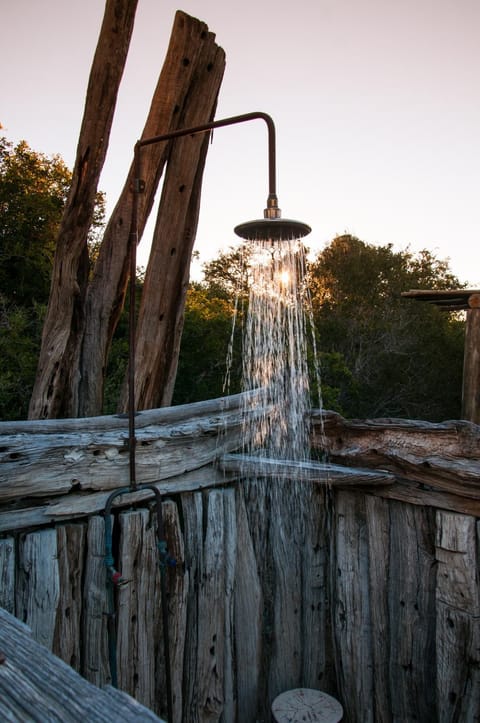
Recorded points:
(58, 362)
(160, 321)
(82, 318)
(471, 362)
(187, 89)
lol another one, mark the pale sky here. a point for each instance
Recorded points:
(376, 105)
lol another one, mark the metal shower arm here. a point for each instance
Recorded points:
(205, 127)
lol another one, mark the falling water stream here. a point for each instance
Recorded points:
(275, 351)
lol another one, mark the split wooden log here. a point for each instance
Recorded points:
(92, 455)
(53, 394)
(187, 87)
(160, 318)
(441, 461)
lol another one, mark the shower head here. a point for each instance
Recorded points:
(275, 229)
(272, 226)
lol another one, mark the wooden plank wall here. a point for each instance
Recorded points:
(373, 600)
(405, 592)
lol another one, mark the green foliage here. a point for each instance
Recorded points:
(20, 333)
(404, 358)
(33, 192)
(206, 335)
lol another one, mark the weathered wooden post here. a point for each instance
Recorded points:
(471, 362)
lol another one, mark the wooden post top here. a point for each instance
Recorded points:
(301, 704)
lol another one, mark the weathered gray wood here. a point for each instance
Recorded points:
(445, 456)
(286, 516)
(80, 505)
(46, 464)
(138, 606)
(36, 686)
(457, 619)
(193, 64)
(417, 493)
(351, 608)
(178, 582)
(71, 551)
(231, 546)
(248, 610)
(303, 704)
(192, 509)
(211, 614)
(160, 317)
(328, 474)
(412, 613)
(316, 647)
(96, 666)
(38, 587)
(379, 572)
(7, 574)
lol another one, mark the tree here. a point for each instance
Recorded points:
(403, 359)
(33, 191)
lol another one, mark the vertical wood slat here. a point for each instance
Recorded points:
(286, 661)
(96, 668)
(231, 547)
(71, 548)
(211, 613)
(351, 608)
(317, 658)
(192, 509)
(412, 613)
(7, 574)
(139, 619)
(38, 586)
(457, 618)
(177, 589)
(248, 608)
(378, 530)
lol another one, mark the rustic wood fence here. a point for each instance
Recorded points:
(369, 591)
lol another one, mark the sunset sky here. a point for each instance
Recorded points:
(376, 105)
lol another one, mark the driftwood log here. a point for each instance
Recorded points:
(38, 687)
(435, 464)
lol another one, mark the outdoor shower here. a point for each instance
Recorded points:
(270, 229)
